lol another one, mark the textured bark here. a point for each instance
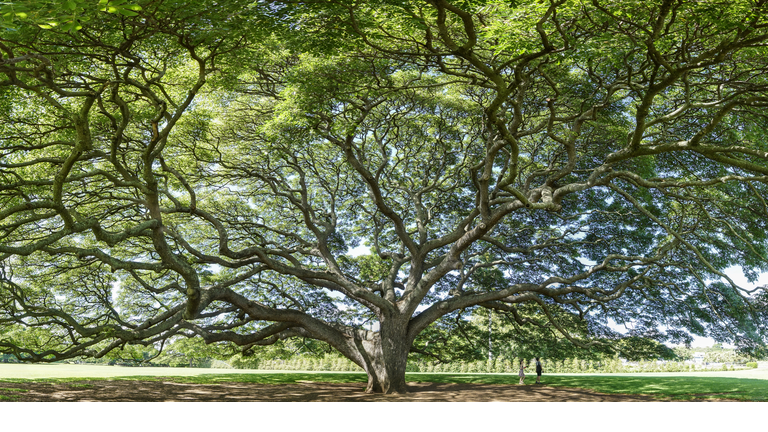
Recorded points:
(385, 356)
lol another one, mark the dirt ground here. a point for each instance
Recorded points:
(160, 391)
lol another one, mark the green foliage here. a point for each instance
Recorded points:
(714, 354)
(194, 352)
(69, 15)
(8, 358)
(456, 338)
(329, 362)
(635, 348)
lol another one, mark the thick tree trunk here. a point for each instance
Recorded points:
(385, 357)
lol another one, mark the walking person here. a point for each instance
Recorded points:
(538, 371)
(522, 372)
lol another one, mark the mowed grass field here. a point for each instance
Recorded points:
(746, 385)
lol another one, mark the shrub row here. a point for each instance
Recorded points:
(327, 363)
(333, 363)
(566, 366)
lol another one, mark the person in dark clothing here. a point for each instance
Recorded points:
(538, 371)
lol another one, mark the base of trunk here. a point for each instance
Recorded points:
(386, 386)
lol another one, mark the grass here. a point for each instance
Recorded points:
(740, 385)
(673, 386)
(10, 396)
(36, 371)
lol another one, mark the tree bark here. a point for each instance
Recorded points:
(385, 356)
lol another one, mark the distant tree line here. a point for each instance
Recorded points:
(456, 343)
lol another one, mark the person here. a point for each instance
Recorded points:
(522, 372)
(538, 371)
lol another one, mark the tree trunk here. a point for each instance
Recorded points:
(385, 357)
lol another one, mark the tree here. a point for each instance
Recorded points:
(205, 171)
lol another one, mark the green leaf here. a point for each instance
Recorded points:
(126, 12)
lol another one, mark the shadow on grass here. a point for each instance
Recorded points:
(260, 378)
(10, 393)
(674, 388)
(278, 377)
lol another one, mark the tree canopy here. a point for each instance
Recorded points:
(205, 170)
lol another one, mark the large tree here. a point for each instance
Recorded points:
(204, 171)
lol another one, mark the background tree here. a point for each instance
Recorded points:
(466, 336)
(205, 170)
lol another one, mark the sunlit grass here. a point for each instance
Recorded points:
(676, 388)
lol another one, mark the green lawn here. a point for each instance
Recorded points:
(750, 385)
(680, 386)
